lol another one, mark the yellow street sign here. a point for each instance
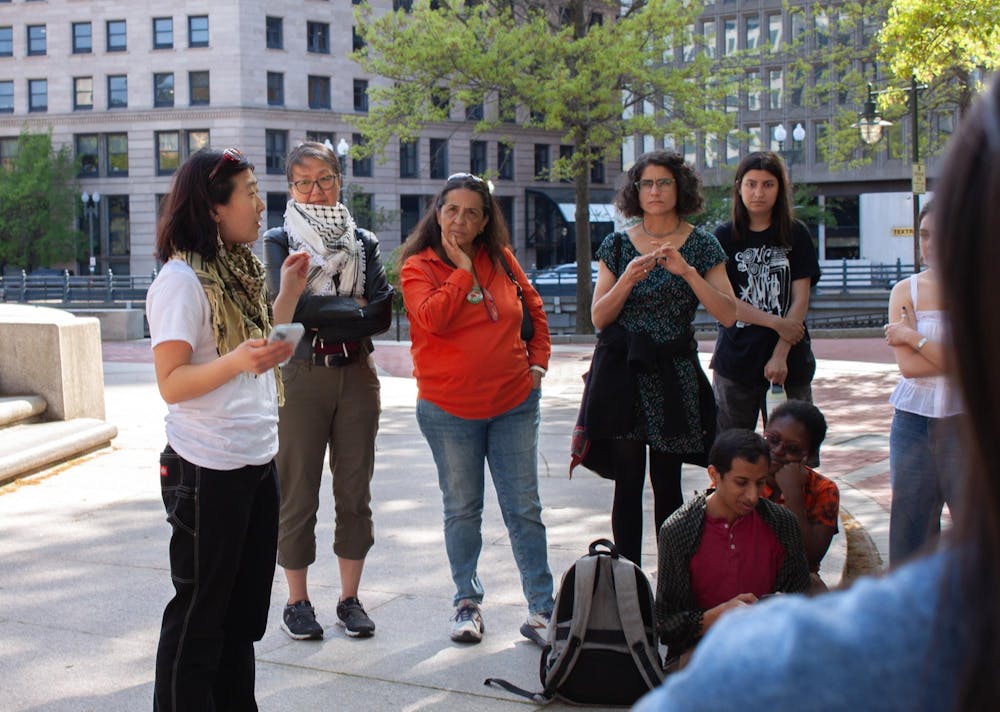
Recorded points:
(919, 178)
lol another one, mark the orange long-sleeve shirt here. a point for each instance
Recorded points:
(465, 363)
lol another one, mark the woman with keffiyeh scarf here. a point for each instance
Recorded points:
(332, 390)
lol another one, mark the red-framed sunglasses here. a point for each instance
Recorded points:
(230, 155)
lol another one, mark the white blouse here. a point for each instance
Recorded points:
(929, 396)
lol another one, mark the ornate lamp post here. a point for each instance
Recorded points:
(870, 125)
(91, 205)
(342, 148)
(798, 136)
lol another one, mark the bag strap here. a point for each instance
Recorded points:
(585, 577)
(633, 626)
(510, 274)
(542, 698)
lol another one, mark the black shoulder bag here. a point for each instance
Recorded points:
(527, 326)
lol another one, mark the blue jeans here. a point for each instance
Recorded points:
(509, 442)
(926, 471)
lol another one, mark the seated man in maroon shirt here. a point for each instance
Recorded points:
(726, 548)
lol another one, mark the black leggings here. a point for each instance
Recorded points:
(630, 474)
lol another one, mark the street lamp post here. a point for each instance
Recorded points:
(798, 136)
(91, 203)
(342, 148)
(870, 124)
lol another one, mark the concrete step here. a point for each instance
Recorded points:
(28, 447)
(15, 409)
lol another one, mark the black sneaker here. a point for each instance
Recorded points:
(352, 617)
(299, 621)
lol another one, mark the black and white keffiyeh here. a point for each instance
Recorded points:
(327, 234)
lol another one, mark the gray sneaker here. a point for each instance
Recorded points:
(467, 624)
(536, 628)
(299, 621)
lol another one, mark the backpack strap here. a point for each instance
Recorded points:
(633, 626)
(585, 572)
(542, 698)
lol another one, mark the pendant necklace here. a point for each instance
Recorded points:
(659, 236)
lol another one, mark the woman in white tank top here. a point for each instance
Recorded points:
(923, 440)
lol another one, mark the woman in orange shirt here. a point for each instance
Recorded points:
(478, 386)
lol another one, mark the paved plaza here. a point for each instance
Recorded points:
(83, 551)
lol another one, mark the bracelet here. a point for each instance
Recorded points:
(538, 369)
(920, 344)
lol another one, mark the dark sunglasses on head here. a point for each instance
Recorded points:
(230, 155)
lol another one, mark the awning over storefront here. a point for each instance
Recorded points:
(599, 212)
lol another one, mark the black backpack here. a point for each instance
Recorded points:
(602, 646)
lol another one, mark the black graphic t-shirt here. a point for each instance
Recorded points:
(762, 276)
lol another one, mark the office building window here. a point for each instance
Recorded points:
(198, 90)
(275, 88)
(163, 89)
(798, 20)
(441, 99)
(83, 38)
(85, 146)
(321, 136)
(751, 33)
(688, 49)
(404, 5)
(477, 158)
(275, 148)
(167, 152)
(773, 143)
(732, 148)
(565, 154)
(711, 150)
(821, 28)
(116, 36)
(318, 37)
(7, 97)
(197, 140)
(276, 204)
(776, 89)
(597, 171)
(408, 159)
(198, 31)
(775, 30)
(357, 41)
(410, 209)
(36, 39)
(275, 32)
(505, 161)
(361, 95)
(754, 142)
(708, 35)
(474, 112)
(38, 95)
(117, 91)
(118, 227)
(821, 142)
(83, 93)
(753, 91)
(163, 32)
(117, 152)
(362, 207)
(360, 167)
(541, 161)
(319, 92)
(729, 36)
(439, 158)
(6, 41)
(8, 152)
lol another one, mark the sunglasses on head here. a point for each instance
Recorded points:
(230, 155)
(464, 176)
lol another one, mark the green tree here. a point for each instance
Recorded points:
(584, 77)
(37, 205)
(951, 42)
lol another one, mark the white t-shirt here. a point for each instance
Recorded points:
(236, 424)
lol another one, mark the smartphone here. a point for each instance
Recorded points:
(292, 333)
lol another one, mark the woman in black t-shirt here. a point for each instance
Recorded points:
(772, 266)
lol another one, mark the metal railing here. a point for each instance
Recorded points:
(107, 289)
(854, 276)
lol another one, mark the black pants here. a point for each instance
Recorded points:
(222, 554)
(630, 474)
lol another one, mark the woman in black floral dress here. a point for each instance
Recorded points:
(651, 278)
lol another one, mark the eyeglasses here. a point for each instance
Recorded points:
(230, 155)
(646, 185)
(792, 450)
(491, 305)
(305, 187)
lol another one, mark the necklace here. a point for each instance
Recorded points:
(475, 296)
(659, 236)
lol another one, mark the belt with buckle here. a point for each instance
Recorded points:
(335, 354)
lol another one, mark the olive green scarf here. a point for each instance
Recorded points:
(234, 285)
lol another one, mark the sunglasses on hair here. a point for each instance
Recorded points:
(464, 176)
(230, 155)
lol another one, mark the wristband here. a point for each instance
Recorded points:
(920, 344)
(538, 369)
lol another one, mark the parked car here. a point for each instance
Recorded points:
(560, 280)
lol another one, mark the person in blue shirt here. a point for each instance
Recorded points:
(924, 637)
